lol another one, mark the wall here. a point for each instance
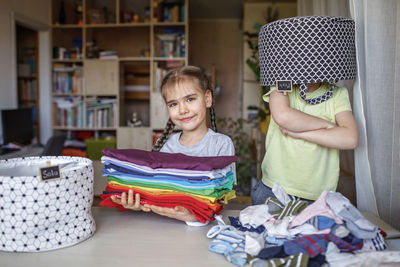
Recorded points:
(218, 41)
(256, 13)
(36, 14)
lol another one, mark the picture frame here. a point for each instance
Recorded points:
(95, 16)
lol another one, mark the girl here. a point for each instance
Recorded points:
(188, 95)
(313, 120)
(302, 142)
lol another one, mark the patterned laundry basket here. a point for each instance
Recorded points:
(308, 50)
(37, 215)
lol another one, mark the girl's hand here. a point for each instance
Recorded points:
(129, 203)
(179, 213)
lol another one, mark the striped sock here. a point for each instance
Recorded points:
(293, 207)
(226, 242)
(314, 245)
(375, 244)
(238, 256)
(298, 260)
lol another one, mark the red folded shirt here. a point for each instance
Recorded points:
(200, 210)
(216, 207)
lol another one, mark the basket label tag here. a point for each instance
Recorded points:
(284, 86)
(50, 173)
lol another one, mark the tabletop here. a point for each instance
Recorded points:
(141, 239)
(130, 238)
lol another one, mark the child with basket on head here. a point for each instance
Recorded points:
(312, 120)
(188, 95)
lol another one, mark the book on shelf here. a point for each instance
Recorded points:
(67, 79)
(101, 113)
(170, 44)
(27, 89)
(169, 11)
(68, 112)
(160, 71)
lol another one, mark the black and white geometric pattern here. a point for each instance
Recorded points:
(308, 50)
(39, 216)
(316, 100)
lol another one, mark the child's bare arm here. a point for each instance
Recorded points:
(293, 119)
(343, 136)
(179, 213)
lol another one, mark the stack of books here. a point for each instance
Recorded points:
(109, 54)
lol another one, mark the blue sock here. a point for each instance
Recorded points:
(238, 256)
(272, 252)
(321, 222)
(225, 242)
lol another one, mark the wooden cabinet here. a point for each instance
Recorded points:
(101, 77)
(136, 137)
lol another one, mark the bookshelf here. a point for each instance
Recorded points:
(27, 74)
(108, 59)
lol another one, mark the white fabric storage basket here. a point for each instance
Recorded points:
(38, 215)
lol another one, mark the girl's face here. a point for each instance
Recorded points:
(187, 105)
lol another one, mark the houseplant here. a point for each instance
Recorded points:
(245, 166)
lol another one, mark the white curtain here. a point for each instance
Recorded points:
(376, 99)
(335, 8)
(323, 8)
(377, 110)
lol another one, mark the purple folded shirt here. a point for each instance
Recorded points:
(181, 161)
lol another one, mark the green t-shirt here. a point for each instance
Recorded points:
(302, 168)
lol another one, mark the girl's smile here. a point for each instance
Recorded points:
(186, 119)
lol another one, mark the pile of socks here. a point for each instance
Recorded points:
(293, 232)
(201, 184)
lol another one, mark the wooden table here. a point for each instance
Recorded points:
(129, 239)
(138, 239)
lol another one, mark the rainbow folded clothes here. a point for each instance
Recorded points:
(201, 184)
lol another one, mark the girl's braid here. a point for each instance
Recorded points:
(212, 113)
(164, 137)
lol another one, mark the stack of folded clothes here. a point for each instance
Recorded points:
(201, 184)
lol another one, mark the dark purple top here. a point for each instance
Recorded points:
(156, 160)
